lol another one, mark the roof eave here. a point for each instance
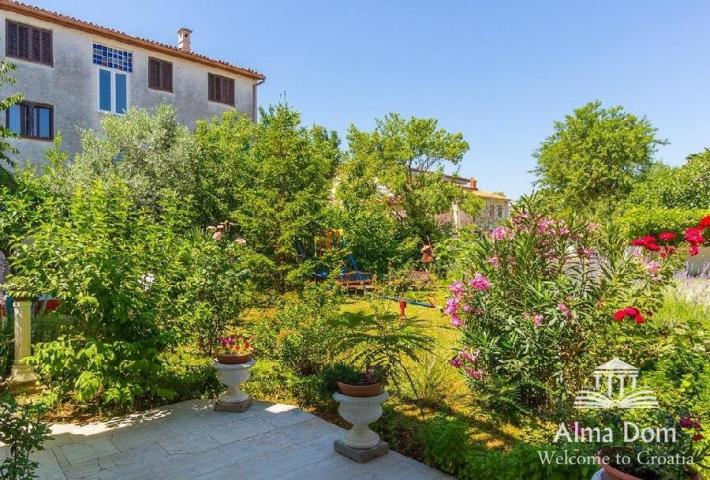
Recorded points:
(124, 38)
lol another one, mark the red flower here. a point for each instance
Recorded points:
(697, 437)
(667, 251)
(667, 236)
(648, 242)
(694, 250)
(694, 236)
(631, 312)
(704, 222)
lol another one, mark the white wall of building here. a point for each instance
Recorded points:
(71, 85)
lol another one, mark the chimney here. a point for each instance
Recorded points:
(473, 183)
(184, 39)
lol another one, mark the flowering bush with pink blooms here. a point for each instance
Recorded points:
(545, 300)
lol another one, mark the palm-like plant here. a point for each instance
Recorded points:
(385, 340)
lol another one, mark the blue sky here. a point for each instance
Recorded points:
(500, 72)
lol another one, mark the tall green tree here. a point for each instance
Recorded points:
(6, 69)
(595, 157)
(273, 180)
(404, 159)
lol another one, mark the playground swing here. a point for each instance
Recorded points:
(351, 280)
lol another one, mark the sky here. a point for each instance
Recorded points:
(500, 72)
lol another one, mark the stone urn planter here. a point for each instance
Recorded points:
(360, 443)
(233, 375)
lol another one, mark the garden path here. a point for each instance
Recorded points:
(190, 440)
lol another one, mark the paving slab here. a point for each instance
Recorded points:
(190, 440)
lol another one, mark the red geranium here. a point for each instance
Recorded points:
(648, 242)
(694, 236)
(667, 236)
(704, 222)
(631, 312)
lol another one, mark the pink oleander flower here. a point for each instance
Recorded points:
(499, 233)
(474, 373)
(480, 282)
(456, 362)
(585, 252)
(653, 267)
(537, 319)
(494, 261)
(452, 306)
(469, 355)
(457, 288)
(456, 321)
(467, 308)
(564, 309)
(544, 224)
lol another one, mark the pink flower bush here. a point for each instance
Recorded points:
(480, 282)
(500, 233)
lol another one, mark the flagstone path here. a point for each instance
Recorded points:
(190, 440)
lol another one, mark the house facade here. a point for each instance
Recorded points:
(72, 73)
(496, 206)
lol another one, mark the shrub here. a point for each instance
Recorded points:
(301, 334)
(538, 307)
(639, 221)
(21, 433)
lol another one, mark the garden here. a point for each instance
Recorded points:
(157, 249)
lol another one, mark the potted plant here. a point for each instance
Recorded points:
(367, 383)
(234, 350)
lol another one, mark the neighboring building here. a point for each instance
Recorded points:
(496, 206)
(73, 72)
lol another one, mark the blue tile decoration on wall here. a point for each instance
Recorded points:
(113, 58)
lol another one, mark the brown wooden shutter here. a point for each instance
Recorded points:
(46, 47)
(153, 73)
(11, 39)
(35, 45)
(166, 76)
(23, 43)
(210, 86)
(230, 91)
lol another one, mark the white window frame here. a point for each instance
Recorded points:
(113, 73)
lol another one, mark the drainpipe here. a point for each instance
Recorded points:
(254, 102)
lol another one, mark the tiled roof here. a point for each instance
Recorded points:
(89, 27)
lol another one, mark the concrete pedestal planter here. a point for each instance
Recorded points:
(360, 443)
(233, 375)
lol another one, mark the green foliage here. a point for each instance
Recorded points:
(384, 340)
(301, 335)
(272, 179)
(399, 167)
(152, 153)
(648, 220)
(547, 315)
(6, 69)
(21, 433)
(595, 157)
(447, 446)
(682, 187)
(220, 277)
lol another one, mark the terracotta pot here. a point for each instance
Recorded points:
(371, 390)
(233, 359)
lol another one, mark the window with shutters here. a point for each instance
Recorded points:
(31, 120)
(28, 43)
(160, 74)
(220, 89)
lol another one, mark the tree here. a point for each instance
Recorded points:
(273, 180)
(685, 186)
(153, 153)
(6, 69)
(406, 159)
(595, 157)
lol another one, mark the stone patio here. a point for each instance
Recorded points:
(190, 440)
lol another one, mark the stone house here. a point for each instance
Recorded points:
(72, 73)
(496, 206)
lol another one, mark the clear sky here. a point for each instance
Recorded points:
(498, 71)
